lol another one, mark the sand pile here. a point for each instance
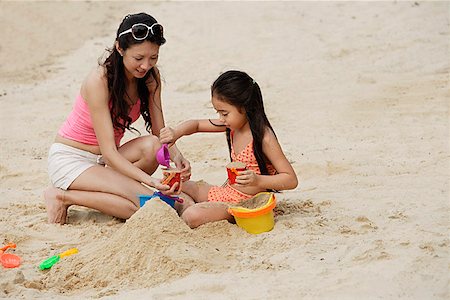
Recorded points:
(156, 246)
(360, 109)
(153, 246)
(255, 202)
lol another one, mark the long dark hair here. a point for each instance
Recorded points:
(115, 72)
(240, 90)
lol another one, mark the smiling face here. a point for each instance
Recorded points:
(233, 117)
(138, 59)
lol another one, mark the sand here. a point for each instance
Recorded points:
(358, 94)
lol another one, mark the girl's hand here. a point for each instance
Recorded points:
(183, 164)
(247, 178)
(167, 136)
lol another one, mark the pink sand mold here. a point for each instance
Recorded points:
(163, 156)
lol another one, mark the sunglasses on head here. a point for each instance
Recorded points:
(140, 31)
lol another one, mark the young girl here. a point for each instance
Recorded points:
(87, 164)
(251, 140)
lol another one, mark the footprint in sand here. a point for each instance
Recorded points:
(376, 252)
(305, 207)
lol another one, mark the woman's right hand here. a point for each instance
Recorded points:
(165, 188)
(167, 135)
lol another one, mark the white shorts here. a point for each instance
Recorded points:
(66, 163)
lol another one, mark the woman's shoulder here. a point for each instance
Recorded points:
(96, 77)
(95, 83)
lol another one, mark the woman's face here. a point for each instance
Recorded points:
(140, 58)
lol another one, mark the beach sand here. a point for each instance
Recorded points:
(358, 94)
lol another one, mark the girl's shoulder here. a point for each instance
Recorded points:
(269, 135)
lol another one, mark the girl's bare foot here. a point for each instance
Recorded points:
(54, 202)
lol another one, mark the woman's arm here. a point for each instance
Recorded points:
(157, 117)
(95, 91)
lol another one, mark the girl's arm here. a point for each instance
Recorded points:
(95, 91)
(285, 179)
(170, 135)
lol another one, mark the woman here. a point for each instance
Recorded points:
(87, 165)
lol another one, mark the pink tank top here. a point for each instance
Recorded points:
(78, 125)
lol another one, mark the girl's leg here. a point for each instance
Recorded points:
(206, 212)
(187, 202)
(197, 190)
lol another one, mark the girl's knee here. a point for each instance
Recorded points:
(192, 217)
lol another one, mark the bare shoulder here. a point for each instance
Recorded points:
(95, 85)
(269, 137)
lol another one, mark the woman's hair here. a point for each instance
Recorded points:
(240, 90)
(115, 72)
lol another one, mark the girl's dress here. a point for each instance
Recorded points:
(228, 193)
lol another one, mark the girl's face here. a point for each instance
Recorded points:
(139, 59)
(230, 115)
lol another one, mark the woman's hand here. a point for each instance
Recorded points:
(247, 178)
(165, 188)
(184, 165)
(167, 135)
(156, 184)
(174, 190)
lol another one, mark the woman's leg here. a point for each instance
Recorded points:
(105, 189)
(206, 212)
(100, 188)
(58, 201)
(141, 152)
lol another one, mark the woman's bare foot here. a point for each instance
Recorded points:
(54, 202)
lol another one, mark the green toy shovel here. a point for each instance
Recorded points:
(49, 262)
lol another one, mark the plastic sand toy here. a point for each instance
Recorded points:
(168, 199)
(163, 156)
(49, 262)
(9, 260)
(256, 220)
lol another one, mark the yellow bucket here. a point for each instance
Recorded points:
(255, 220)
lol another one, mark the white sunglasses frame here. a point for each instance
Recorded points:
(149, 29)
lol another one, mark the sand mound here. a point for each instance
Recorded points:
(151, 247)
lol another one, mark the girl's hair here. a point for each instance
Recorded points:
(115, 72)
(240, 90)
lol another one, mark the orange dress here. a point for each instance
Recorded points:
(228, 193)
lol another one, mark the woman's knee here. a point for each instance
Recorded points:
(128, 211)
(149, 145)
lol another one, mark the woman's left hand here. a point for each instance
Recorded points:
(184, 165)
(247, 178)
